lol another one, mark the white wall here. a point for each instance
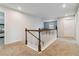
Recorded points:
(15, 24)
(66, 27)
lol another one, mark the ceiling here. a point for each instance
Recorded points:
(45, 10)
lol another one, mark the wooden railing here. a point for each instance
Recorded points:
(39, 37)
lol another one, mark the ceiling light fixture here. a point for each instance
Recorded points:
(63, 5)
(19, 8)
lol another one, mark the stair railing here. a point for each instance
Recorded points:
(39, 36)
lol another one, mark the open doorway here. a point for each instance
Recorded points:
(1, 29)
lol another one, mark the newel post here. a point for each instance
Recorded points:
(39, 43)
(26, 36)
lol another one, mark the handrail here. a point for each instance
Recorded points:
(39, 31)
(33, 30)
(33, 35)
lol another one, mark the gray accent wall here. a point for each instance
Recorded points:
(50, 25)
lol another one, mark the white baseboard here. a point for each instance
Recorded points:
(12, 42)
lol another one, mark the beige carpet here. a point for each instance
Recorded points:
(58, 48)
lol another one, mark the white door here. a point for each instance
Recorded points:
(69, 28)
(66, 27)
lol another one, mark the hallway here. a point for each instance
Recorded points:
(59, 47)
(50, 27)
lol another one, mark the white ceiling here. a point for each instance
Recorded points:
(45, 10)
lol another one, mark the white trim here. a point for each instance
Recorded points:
(4, 27)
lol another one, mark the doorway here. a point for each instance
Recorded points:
(2, 28)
